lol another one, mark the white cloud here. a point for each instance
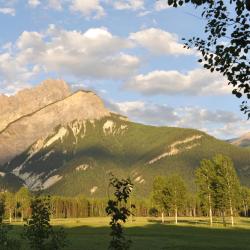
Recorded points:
(161, 5)
(144, 13)
(128, 4)
(194, 82)
(88, 8)
(55, 4)
(8, 11)
(220, 123)
(93, 54)
(146, 113)
(34, 3)
(14, 74)
(159, 42)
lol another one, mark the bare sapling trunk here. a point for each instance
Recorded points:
(210, 210)
(245, 209)
(176, 215)
(223, 218)
(10, 215)
(194, 212)
(22, 215)
(231, 213)
(162, 217)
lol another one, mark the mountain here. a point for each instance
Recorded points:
(30, 100)
(71, 146)
(242, 141)
(50, 112)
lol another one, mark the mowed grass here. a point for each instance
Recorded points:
(150, 234)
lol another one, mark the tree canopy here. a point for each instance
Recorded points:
(226, 45)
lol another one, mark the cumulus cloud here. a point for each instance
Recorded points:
(34, 3)
(194, 82)
(219, 123)
(161, 5)
(95, 53)
(55, 4)
(128, 4)
(146, 113)
(8, 11)
(13, 74)
(88, 8)
(159, 42)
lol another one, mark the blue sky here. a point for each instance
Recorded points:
(129, 51)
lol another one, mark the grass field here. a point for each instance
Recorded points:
(150, 234)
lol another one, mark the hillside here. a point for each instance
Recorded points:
(242, 141)
(78, 157)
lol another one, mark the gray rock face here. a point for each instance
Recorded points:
(30, 100)
(18, 135)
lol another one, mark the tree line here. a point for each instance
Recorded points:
(218, 193)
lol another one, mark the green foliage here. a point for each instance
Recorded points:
(245, 200)
(124, 152)
(23, 198)
(227, 185)
(175, 191)
(219, 186)
(158, 192)
(2, 208)
(38, 230)
(226, 46)
(169, 193)
(205, 176)
(6, 242)
(119, 212)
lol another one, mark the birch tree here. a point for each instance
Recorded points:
(175, 193)
(205, 175)
(23, 198)
(245, 199)
(227, 185)
(159, 195)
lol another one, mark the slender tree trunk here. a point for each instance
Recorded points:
(223, 217)
(176, 215)
(210, 210)
(15, 213)
(22, 215)
(194, 211)
(10, 218)
(231, 213)
(245, 209)
(162, 217)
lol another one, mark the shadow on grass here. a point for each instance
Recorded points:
(154, 236)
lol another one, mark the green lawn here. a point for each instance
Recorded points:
(148, 234)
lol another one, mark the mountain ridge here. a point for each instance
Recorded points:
(29, 100)
(30, 127)
(85, 142)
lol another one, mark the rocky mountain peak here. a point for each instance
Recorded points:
(30, 100)
(34, 113)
